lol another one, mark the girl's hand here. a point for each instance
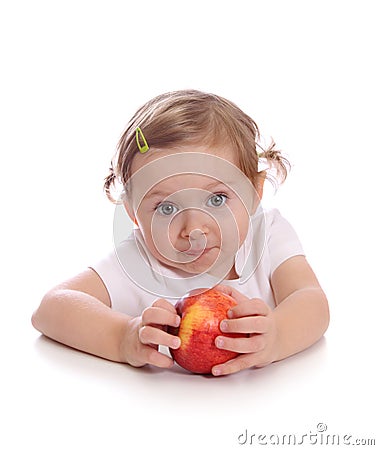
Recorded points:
(146, 332)
(255, 318)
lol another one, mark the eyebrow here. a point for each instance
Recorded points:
(153, 193)
(208, 187)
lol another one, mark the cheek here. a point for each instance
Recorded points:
(160, 237)
(242, 222)
(164, 237)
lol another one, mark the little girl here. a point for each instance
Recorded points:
(188, 167)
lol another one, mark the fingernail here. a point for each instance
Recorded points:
(223, 326)
(216, 372)
(175, 343)
(220, 342)
(177, 321)
(230, 313)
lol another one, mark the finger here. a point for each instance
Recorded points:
(249, 324)
(252, 344)
(155, 358)
(159, 316)
(164, 304)
(155, 336)
(228, 290)
(252, 307)
(242, 362)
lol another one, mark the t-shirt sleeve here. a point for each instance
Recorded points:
(125, 296)
(282, 240)
(110, 271)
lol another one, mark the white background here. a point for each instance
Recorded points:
(72, 74)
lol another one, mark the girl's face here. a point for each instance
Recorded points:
(192, 207)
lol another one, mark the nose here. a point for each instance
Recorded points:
(195, 224)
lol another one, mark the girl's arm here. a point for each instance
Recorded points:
(77, 313)
(302, 312)
(300, 318)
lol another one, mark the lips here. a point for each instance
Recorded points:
(197, 252)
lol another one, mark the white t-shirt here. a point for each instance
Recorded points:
(134, 278)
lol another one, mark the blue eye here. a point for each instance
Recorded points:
(217, 200)
(167, 209)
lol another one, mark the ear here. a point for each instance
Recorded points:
(259, 183)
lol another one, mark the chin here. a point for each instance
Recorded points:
(199, 266)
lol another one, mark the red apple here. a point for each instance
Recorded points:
(201, 316)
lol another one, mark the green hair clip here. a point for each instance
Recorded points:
(140, 136)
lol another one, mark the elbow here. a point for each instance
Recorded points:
(325, 312)
(35, 320)
(40, 313)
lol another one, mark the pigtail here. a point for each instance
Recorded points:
(276, 165)
(109, 184)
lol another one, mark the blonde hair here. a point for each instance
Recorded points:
(192, 117)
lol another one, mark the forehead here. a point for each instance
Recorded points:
(224, 152)
(191, 181)
(182, 170)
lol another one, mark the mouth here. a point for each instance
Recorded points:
(197, 252)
